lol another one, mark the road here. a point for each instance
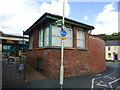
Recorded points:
(110, 78)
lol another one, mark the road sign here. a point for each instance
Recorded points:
(11, 61)
(20, 67)
(63, 33)
(63, 37)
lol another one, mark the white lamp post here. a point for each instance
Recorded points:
(62, 50)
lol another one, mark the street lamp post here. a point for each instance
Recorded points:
(62, 50)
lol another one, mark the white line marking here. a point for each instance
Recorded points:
(93, 80)
(92, 86)
(98, 74)
(114, 81)
(110, 83)
(101, 83)
(110, 77)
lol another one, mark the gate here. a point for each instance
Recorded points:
(13, 73)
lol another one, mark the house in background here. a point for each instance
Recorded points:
(113, 50)
(83, 53)
(11, 44)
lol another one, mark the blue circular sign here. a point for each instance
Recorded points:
(63, 33)
(11, 61)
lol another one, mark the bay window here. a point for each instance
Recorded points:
(50, 36)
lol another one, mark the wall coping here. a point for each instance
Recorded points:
(59, 48)
(96, 38)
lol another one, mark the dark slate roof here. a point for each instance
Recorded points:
(113, 43)
(56, 17)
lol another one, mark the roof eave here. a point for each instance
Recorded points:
(71, 22)
(56, 17)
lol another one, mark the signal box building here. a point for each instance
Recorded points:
(83, 53)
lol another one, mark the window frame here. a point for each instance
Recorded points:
(109, 48)
(115, 48)
(31, 41)
(83, 39)
(109, 55)
(42, 41)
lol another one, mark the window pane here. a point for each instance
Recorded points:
(68, 42)
(109, 48)
(41, 38)
(80, 39)
(31, 42)
(56, 31)
(5, 47)
(56, 37)
(109, 55)
(56, 41)
(46, 37)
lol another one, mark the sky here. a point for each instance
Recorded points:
(17, 16)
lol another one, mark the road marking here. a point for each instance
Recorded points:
(98, 75)
(93, 80)
(92, 86)
(110, 83)
(114, 81)
(101, 83)
(110, 74)
(112, 78)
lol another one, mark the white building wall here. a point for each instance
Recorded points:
(113, 49)
(118, 52)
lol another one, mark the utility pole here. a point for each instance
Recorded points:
(62, 50)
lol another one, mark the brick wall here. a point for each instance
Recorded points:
(75, 61)
(96, 54)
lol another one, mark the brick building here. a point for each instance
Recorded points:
(83, 53)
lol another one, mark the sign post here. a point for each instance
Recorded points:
(62, 49)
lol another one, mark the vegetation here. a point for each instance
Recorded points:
(114, 36)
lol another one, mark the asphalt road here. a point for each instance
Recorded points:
(110, 78)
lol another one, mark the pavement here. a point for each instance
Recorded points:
(108, 79)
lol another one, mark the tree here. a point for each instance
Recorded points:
(114, 36)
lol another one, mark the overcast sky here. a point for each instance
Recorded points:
(18, 15)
